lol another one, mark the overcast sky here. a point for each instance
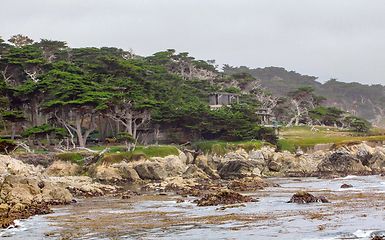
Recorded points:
(343, 39)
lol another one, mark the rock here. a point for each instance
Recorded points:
(377, 237)
(18, 207)
(63, 168)
(83, 186)
(239, 168)
(25, 191)
(248, 184)
(341, 162)
(223, 197)
(299, 152)
(4, 208)
(364, 154)
(150, 170)
(173, 165)
(113, 174)
(274, 166)
(202, 163)
(305, 197)
(193, 171)
(346, 185)
(378, 159)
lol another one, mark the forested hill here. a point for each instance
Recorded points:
(47, 87)
(366, 101)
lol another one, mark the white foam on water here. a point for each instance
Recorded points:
(363, 233)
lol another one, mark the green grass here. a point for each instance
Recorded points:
(140, 152)
(73, 157)
(223, 147)
(113, 149)
(302, 137)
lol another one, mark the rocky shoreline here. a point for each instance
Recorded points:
(27, 190)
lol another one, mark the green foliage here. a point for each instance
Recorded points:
(327, 115)
(76, 158)
(124, 136)
(43, 130)
(13, 116)
(360, 125)
(231, 90)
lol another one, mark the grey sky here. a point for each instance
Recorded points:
(343, 39)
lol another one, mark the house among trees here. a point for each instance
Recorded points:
(264, 115)
(218, 99)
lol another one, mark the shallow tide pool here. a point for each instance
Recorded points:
(354, 213)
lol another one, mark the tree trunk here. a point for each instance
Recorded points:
(5, 128)
(13, 131)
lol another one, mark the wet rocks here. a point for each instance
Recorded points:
(223, 197)
(248, 184)
(20, 211)
(25, 191)
(305, 197)
(346, 185)
(377, 237)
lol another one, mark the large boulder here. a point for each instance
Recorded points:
(240, 168)
(150, 170)
(341, 162)
(377, 161)
(115, 173)
(173, 165)
(63, 168)
(193, 171)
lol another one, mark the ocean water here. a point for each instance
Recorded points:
(353, 213)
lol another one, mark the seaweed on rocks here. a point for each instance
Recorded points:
(305, 197)
(223, 197)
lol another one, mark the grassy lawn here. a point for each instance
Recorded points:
(222, 147)
(295, 137)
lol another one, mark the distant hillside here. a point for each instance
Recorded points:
(366, 101)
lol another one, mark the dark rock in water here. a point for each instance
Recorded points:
(346, 185)
(305, 197)
(23, 212)
(378, 237)
(223, 197)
